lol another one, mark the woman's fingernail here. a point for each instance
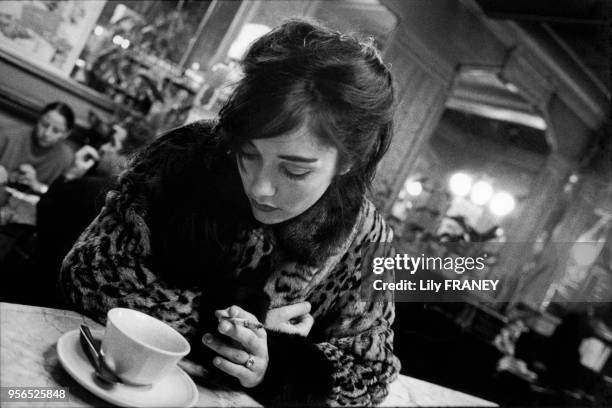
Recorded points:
(207, 338)
(217, 361)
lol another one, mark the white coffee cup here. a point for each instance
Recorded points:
(139, 348)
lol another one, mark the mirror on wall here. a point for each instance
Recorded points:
(135, 55)
(166, 61)
(473, 176)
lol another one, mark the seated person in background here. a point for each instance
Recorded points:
(127, 139)
(35, 157)
(112, 157)
(30, 159)
(75, 199)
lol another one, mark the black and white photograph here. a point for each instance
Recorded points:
(305, 203)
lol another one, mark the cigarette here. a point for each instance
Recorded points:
(246, 323)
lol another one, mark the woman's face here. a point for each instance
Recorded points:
(51, 128)
(285, 175)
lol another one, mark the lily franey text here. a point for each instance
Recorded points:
(429, 285)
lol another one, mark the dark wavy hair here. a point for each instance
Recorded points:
(304, 74)
(299, 74)
(63, 110)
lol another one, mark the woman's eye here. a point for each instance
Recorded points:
(296, 174)
(246, 156)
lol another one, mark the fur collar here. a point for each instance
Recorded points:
(316, 234)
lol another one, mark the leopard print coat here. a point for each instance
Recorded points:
(347, 359)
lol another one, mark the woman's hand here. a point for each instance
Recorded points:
(247, 357)
(291, 319)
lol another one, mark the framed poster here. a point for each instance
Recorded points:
(50, 34)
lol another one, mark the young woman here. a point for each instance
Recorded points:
(263, 216)
(35, 158)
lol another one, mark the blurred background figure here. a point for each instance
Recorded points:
(31, 159)
(41, 231)
(73, 202)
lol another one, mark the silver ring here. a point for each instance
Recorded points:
(250, 361)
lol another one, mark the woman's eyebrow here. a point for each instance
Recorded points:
(298, 159)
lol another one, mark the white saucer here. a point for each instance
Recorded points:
(174, 390)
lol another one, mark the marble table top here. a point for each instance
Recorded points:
(28, 357)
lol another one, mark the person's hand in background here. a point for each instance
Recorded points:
(84, 159)
(27, 176)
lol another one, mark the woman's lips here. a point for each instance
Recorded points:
(262, 207)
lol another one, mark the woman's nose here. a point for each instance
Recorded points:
(262, 186)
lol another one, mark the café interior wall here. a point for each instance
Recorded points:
(571, 138)
(448, 34)
(425, 64)
(576, 212)
(26, 88)
(571, 211)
